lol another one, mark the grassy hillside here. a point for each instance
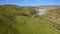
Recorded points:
(17, 20)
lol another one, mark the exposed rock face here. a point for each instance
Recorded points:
(42, 11)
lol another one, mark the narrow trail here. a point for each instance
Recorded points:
(54, 25)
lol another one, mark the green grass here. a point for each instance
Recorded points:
(27, 25)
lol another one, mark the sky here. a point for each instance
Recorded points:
(30, 2)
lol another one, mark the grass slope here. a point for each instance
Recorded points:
(34, 26)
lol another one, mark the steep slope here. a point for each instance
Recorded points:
(54, 16)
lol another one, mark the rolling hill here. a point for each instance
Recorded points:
(18, 20)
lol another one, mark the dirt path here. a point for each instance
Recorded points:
(54, 25)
